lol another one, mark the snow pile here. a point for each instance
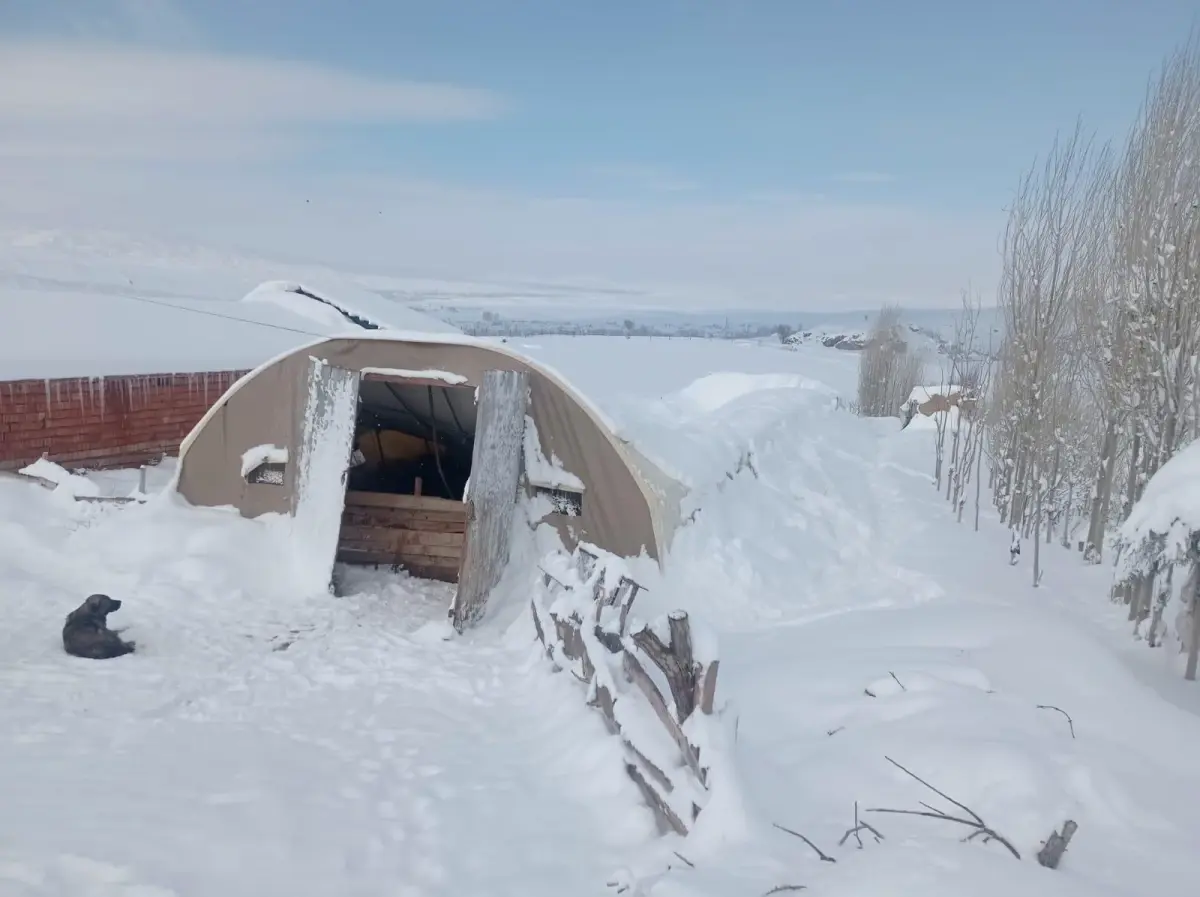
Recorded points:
(831, 338)
(922, 394)
(336, 306)
(1161, 524)
(258, 455)
(947, 422)
(67, 483)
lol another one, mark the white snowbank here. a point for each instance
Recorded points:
(947, 422)
(1169, 510)
(69, 483)
(299, 743)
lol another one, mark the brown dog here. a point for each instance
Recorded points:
(86, 632)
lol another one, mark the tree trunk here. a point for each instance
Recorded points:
(979, 481)
(1160, 605)
(954, 462)
(1037, 553)
(1094, 548)
(1194, 648)
(1066, 522)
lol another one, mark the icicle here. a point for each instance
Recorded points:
(103, 389)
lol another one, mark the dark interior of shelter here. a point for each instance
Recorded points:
(413, 439)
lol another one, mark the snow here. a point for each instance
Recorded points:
(542, 471)
(327, 439)
(57, 329)
(263, 454)
(922, 394)
(444, 376)
(1168, 509)
(274, 739)
(66, 482)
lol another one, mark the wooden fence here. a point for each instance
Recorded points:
(582, 616)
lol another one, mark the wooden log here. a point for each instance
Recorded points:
(706, 687)
(585, 563)
(680, 680)
(503, 398)
(681, 649)
(537, 622)
(638, 675)
(409, 502)
(662, 811)
(407, 520)
(1052, 851)
(626, 591)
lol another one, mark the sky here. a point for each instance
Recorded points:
(795, 154)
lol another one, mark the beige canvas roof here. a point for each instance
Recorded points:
(630, 505)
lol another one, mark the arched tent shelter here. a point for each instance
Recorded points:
(411, 449)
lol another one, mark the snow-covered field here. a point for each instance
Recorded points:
(265, 742)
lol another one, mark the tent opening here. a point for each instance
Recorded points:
(413, 444)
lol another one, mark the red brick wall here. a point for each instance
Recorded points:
(103, 422)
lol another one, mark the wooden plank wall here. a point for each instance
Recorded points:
(423, 535)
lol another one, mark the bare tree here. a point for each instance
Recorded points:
(888, 370)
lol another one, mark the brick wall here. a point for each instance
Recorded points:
(103, 421)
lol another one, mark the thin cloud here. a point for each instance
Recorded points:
(128, 100)
(646, 178)
(864, 177)
(791, 252)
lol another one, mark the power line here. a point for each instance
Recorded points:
(216, 314)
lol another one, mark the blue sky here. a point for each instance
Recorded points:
(734, 147)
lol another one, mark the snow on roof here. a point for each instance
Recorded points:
(1169, 510)
(922, 394)
(76, 333)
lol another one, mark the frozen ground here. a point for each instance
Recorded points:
(267, 742)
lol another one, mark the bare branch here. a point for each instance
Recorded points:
(825, 858)
(1070, 722)
(860, 826)
(975, 821)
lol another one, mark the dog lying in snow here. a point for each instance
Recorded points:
(86, 632)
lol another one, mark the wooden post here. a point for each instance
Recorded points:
(495, 479)
(1056, 845)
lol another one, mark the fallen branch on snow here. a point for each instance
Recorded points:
(825, 858)
(860, 826)
(1070, 722)
(981, 828)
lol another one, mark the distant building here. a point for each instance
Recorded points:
(929, 400)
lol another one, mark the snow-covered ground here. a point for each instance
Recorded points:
(266, 742)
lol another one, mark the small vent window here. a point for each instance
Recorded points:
(267, 474)
(564, 501)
